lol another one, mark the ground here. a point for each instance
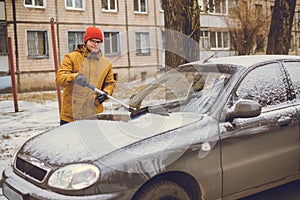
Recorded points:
(37, 113)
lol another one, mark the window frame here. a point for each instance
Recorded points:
(73, 5)
(45, 45)
(33, 4)
(76, 43)
(3, 41)
(139, 50)
(204, 39)
(218, 47)
(111, 53)
(139, 11)
(265, 108)
(292, 46)
(108, 5)
(160, 6)
(213, 11)
(292, 78)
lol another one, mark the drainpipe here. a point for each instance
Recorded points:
(156, 34)
(16, 40)
(93, 9)
(127, 38)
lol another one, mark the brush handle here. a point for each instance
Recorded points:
(110, 97)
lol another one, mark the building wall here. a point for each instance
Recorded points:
(31, 70)
(128, 65)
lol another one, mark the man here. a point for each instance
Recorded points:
(85, 65)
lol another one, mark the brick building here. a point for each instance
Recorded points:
(133, 30)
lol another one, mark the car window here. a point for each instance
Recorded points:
(293, 69)
(264, 85)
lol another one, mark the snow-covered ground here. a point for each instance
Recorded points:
(37, 113)
(35, 116)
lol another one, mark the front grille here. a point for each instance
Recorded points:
(32, 168)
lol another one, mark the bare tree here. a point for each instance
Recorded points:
(182, 31)
(281, 27)
(245, 25)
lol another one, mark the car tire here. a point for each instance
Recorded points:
(163, 190)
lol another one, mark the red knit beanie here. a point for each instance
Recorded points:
(93, 33)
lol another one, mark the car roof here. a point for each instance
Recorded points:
(249, 60)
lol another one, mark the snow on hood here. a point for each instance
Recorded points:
(89, 140)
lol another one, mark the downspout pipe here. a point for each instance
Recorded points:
(16, 40)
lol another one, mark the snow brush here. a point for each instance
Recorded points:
(133, 111)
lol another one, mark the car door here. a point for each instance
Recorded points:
(261, 149)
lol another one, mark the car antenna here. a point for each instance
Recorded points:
(206, 59)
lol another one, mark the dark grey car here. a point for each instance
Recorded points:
(223, 129)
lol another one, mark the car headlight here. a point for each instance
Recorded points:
(74, 177)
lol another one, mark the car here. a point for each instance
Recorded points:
(225, 128)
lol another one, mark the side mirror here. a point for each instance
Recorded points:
(243, 109)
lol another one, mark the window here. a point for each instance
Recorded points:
(111, 43)
(219, 7)
(3, 41)
(161, 6)
(2, 11)
(140, 6)
(219, 40)
(292, 43)
(74, 38)
(264, 85)
(294, 71)
(109, 5)
(75, 4)
(142, 43)
(204, 40)
(298, 17)
(35, 3)
(202, 5)
(232, 6)
(37, 44)
(271, 9)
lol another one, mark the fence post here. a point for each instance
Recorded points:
(55, 61)
(12, 74)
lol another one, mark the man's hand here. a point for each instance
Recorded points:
(101, 97)
(81, 80)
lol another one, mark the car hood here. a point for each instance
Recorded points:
(89, 140)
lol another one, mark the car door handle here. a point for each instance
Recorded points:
(284, 121)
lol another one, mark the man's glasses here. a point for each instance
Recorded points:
(95, 41)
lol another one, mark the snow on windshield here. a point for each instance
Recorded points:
(185, 90)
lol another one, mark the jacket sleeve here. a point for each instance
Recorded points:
(109, 81)
(65, 75)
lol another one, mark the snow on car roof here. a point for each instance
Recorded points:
(249, 60)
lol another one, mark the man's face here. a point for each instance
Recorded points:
(93, 45)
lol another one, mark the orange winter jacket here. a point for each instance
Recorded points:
(80, 102)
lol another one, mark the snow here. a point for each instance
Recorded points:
(16, 127)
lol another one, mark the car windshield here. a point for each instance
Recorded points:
(188, 88)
